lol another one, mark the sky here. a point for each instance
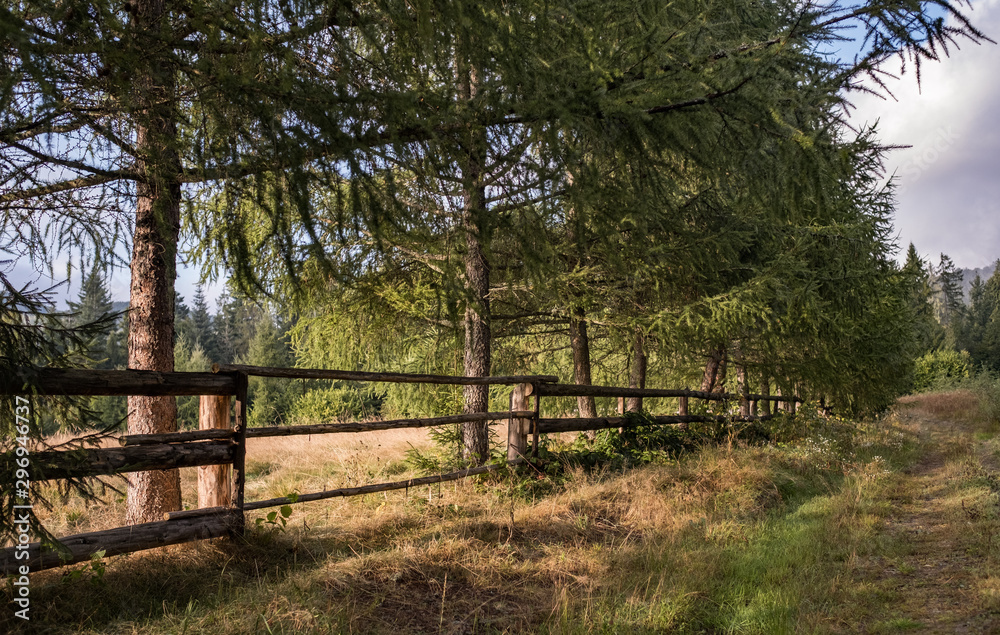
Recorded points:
(948, 182)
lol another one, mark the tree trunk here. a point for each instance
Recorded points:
(765, 389)
(637, 373)
(154, 256)
(478, 336)
(712, 367)
(580, 343)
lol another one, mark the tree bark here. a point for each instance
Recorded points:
(712, 367)
(637, 372)
(580, 343)
(765, 389)
(478, 335)
(154, 257)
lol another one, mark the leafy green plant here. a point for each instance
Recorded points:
(92, 571)
(274, 520)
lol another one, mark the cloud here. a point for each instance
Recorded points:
(948, 182)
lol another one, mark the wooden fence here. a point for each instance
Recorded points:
(218, 448)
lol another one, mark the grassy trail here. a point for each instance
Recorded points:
(937, 569)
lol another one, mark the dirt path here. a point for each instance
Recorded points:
(936, 571)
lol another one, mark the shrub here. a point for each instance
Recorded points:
(940, 369)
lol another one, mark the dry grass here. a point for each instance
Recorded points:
(726, 535)
(953, 405)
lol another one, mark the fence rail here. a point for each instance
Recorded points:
(219, 448)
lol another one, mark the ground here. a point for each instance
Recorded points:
(833, 526)
(938, 568)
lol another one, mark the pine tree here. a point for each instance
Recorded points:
(949, 282)
(94, 304)
(202, 327)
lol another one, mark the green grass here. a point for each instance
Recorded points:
(772, 538)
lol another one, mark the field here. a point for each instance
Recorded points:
(831, 526)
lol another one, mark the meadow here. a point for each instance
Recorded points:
(801, 526)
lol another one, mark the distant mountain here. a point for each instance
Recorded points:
(968, 275)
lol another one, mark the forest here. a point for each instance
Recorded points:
(623, 192)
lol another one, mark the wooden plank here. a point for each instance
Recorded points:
(174, 437)
(575, 390)
(214, 481)
(368, 426)
(119, 540)
(547, 426)
(372, 489)
(84, 462)
(398, 378)
(76, 381)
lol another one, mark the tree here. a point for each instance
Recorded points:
(929, 333)
(270, 399)
(94, 304)
(109, 110)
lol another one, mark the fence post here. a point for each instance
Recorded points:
(214, 489)
(240, 455)
(765, 390)
(517, 431)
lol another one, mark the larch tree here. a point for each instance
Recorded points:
(113, 113)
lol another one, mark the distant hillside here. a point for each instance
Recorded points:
(968, 275)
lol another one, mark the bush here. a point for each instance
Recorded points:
(941, 369)
(323, 405)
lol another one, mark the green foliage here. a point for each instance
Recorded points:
(276, 520)
(941, 369)
(93, 571)
(333, 403)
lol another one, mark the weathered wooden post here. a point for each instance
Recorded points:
(214, 481)
(517, 431)
(682, 410)
(240, 455)
(765, 390)
(744, 389)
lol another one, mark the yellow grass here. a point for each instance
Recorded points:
(732, 538)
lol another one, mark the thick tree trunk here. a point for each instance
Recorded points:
(637, 372)
(478, 335)
(154, 256)
(580, 343)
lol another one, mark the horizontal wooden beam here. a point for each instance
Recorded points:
(380, 487)
(78, 381)
(80, 547)
(84, 462)
(368, 426)
(546, 426)
(578, 390)
(174, 437)
(398, 378)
